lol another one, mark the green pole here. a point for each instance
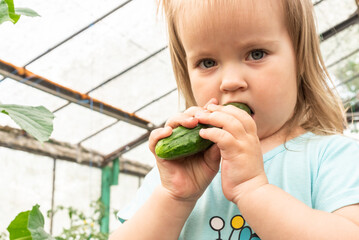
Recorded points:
(109, 178)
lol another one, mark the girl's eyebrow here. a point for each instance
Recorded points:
(201, 55)
(244, 46)
(257, 42)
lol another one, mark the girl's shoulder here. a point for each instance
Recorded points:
(332, 146)
(322, 146)
(335, 140)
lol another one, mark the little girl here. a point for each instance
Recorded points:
(284, 172)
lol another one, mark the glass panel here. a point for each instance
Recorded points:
(162, 109)
(347, 74)
(31, 37)
(14, 92)
(341, 44)
(139, 86)
(114, 137)
(74, 123)
(104, 50)
(141, 154)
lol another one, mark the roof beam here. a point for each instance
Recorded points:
(19, 140)
(134, 168)
(317, 2)
(353, 19)
(25, 76)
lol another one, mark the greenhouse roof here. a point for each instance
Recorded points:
(103, 68)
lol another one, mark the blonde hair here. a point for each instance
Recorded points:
(318, 108)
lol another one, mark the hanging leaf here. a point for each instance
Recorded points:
(8, 12)
(4, 13)
(26, 12)
(37, 121)
(11, 5)
(28, 225)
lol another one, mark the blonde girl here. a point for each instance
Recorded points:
(283, 172)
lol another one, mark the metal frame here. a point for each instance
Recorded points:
(25, 76)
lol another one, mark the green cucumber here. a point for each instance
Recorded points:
(186, 141)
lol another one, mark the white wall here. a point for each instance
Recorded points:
(26, 180)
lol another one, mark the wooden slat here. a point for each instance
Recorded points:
(20, 140)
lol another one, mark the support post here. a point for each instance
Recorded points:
(109, 178)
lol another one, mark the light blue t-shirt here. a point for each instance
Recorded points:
(320, 171)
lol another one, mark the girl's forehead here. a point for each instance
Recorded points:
(200, 15)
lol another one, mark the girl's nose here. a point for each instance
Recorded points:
(232, 80)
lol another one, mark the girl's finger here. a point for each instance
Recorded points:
(224, 121)
(239, 114)
(194, 109)
(156, 135)
(211, 101)
(183, 119)
(223, 139)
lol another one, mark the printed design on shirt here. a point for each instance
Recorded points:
(237, 224)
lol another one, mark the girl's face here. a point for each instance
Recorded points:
(243, 53)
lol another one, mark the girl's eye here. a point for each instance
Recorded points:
(256, 55)
(207, 63)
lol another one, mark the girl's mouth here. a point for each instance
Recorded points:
(242, 106)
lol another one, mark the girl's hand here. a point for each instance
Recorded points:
(186, 179)
(235, 134)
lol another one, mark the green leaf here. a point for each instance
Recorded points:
(11, 5)
(26, 12)
(37, 121)
(4, 12)
(29, 225)
(36, 224)
(18, 227)
(14, 17)
(3, 111)
(7, 11)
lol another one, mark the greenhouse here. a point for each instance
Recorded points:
(103, 69)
